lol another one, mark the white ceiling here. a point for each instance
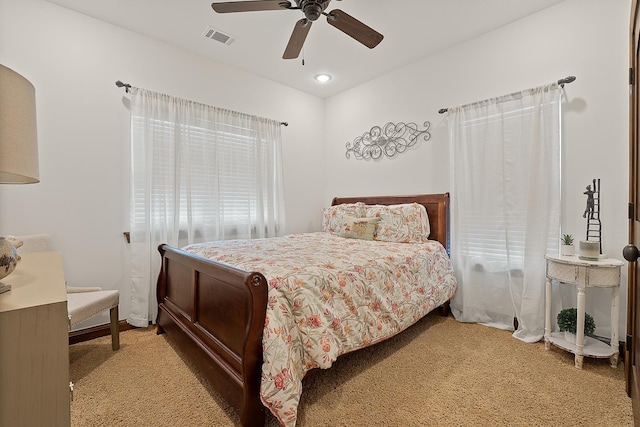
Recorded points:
(412, 29)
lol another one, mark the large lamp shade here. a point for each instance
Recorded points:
(18, 133)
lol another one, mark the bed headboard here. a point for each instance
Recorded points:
(437, 206)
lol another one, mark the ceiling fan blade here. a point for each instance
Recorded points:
(354, 28)
(297, 39)
(250, 6)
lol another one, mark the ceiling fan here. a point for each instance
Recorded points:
(312, 10)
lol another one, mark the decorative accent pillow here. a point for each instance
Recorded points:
(358, 228)
(404, 223)
(332, 217)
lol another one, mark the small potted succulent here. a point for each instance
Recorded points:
(567, 247)
(568, 322)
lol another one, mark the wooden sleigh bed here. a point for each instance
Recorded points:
(216, 313)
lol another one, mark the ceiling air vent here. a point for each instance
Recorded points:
(217, 35)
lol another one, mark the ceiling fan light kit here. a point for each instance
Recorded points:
(312, 10)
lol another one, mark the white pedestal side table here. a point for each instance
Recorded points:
(603, 273)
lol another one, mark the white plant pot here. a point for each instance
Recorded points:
(567, 250)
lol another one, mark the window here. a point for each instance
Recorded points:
(209, 177)
(198, 173)
(493, 225)
(505, 207)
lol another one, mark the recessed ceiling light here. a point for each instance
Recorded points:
(323, 78)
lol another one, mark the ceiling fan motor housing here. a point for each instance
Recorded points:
(313, 9)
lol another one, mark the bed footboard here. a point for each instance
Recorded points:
(216, 313)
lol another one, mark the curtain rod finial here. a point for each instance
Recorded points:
(567, 79)
(124, 85)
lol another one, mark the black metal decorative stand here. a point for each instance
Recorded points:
(592, 213)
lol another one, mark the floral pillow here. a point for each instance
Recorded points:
(332, 217)
(358, 228)
(405, 223)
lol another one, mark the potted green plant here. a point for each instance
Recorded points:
(568, 322)
(567, 247)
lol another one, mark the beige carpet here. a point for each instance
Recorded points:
(438, 373)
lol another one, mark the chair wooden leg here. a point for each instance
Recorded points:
(115, 329)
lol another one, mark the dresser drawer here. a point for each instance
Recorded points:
(563, 272)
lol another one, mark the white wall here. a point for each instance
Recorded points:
(82, 200)
(83, 130)
(584, 38)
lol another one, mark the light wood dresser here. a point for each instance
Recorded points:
(34, 344)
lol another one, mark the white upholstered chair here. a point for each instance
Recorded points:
(82, 302)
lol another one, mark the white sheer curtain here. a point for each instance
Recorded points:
(198, 173)
(505, 207)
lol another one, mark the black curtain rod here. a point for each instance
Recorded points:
(127, 86)
(561, 82)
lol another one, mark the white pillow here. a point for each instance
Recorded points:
(404, 223)
(332, 216)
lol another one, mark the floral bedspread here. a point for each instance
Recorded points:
(330, 295)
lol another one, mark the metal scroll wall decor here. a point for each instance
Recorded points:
(390, 140)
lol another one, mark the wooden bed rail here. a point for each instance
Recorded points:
(210, 315)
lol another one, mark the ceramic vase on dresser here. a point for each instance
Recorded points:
(8, 257)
